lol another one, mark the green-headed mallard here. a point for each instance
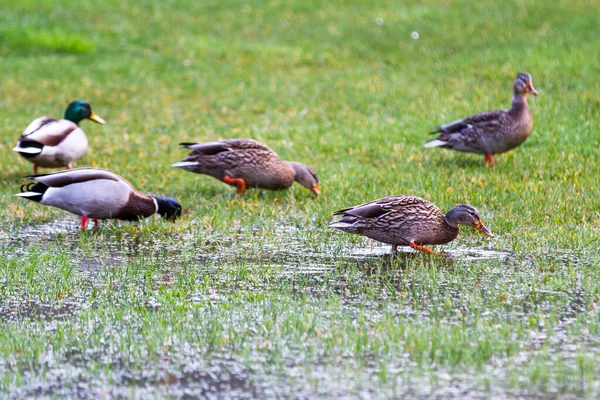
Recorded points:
(98, 194)
(247, 163)
(406, 220)
(52, 143)
(491, 132)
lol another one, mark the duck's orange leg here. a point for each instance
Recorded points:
(489, 160)
(84, 219)
(35, 169)
(394, 248)
(426, 249)
(239, 182)
(96, 222)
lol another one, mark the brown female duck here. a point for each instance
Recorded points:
(491, 132)
(246, 163)
(406, 220)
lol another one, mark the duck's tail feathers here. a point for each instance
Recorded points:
(343, 226)
(187, 145)
(33, 191)
(435, 143)
(183, 164)
(27, 150)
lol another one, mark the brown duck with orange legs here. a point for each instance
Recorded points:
(245, 164)
(491, 132)
(408, 221)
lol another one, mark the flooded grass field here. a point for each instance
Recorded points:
(139, 316)
(256, 297)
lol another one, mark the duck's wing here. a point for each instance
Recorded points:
(48, 131)
(212, 148)
(377, 209)
(77, 175)
(225, 154)
(393, 212)
(467, 133)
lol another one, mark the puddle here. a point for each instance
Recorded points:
(365, 277)
(16, 309)
(47, 230)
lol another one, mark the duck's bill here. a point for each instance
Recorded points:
(97, 119)
(531, 89)
(481, 228)
(316, 190)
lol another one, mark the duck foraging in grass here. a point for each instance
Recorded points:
(491, 132)
(98, 194)
(406, 220)
(247, 163)
(52, 143)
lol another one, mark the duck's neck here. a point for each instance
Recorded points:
(519, 105)
(449, 231)
(72, 116)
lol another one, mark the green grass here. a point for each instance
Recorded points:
(257, 295)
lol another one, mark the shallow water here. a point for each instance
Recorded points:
(291, 262)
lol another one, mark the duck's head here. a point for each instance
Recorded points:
(465, 214)
(524, 84)
(306, 176)
(78, 110)
(168, 208)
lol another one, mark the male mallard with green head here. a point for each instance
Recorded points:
(52, 143)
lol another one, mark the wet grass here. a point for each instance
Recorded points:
(255, 297)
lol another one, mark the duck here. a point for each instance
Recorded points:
(96, 193)
(52, 143)
(247, 163)
(491, 132)
(406, 220)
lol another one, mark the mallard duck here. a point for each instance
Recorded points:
(52, 143)
(247, 163)
(491, 132)
(98, 194)
(406, 220)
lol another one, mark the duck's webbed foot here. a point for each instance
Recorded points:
(426, 250)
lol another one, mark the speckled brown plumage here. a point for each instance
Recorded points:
(248, 160)
(407, 220)
(491, 132)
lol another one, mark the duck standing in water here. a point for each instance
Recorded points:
(406, 220)
(98, 194)
(52, 143)
(491, 132)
